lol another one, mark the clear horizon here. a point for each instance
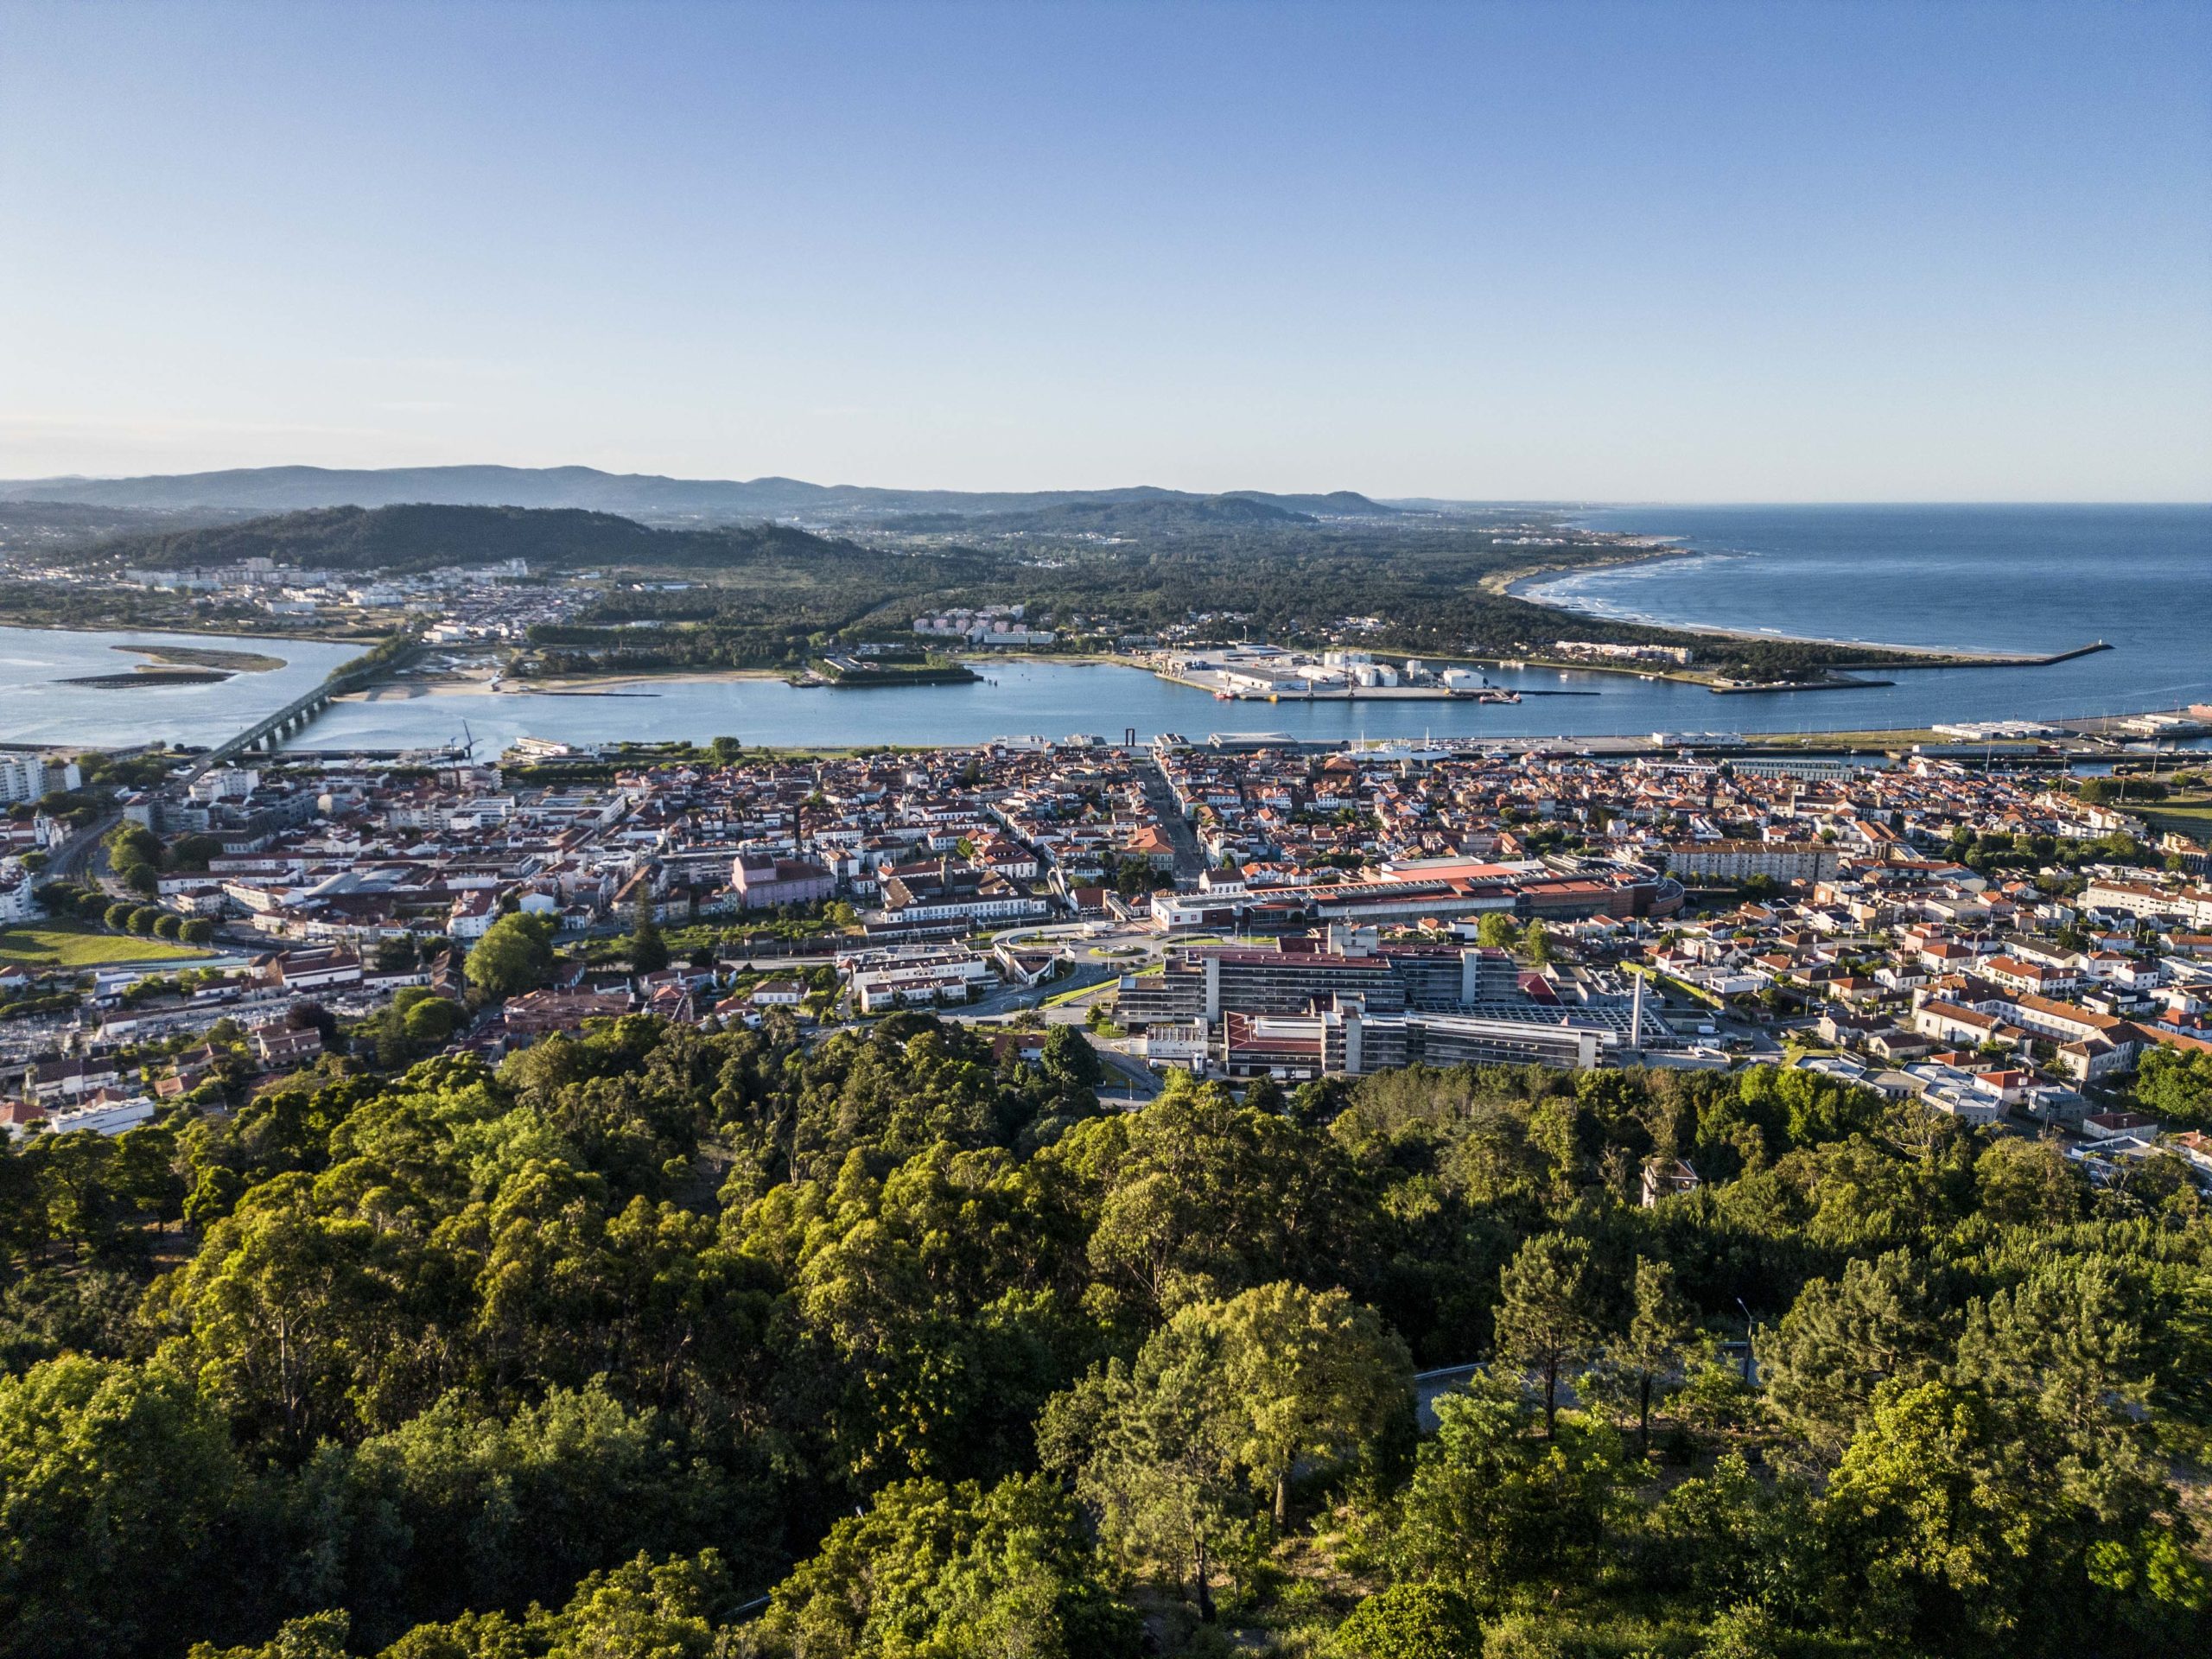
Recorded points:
(1711, 254)
(1589, 503)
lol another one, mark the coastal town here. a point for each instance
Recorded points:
(1994, 941)
(1106, 831)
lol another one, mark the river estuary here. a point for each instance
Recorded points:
(2005, 578)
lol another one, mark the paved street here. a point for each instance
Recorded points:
(70, 857)
(1190, 858)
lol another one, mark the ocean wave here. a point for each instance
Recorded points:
(1590, 591)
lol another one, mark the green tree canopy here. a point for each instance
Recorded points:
(648, 949)
(117, 1484)
(1548, 1318)
(1842, 1339)
(1491, 1506)
(935, 1569)
(1411, 1620)
(514, 956)
(1647, 1359)
(1496, 932)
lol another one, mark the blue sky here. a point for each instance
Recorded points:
(1650, 251)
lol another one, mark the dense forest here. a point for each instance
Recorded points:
(1174, 515)
(421, 537)
(678, 1343)
(1429, 586)
(1279, 577)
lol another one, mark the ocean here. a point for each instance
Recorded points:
(2014, 579)
(2028, 580)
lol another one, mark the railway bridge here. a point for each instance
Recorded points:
(270, 731)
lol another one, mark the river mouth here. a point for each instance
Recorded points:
(2008, 579)
(204, 687)
(1113, 704)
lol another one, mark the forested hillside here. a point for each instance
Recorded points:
(1253, 569)
(769, 595)
(420, 537)
(586, 1355)
(1172, 515)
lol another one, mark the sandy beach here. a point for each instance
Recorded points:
(1516, 584)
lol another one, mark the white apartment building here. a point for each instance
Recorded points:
(909, 975)
(30, 777)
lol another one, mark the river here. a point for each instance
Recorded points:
(2018, 579)
(38, 705)
(1059, 699)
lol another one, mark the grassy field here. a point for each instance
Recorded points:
(79, 944)
(2191, 816)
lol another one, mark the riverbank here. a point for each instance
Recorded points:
(576, 683)
(1049, 702)
(573, 683)
(2081, 741)
(1113, 658)
(156, 702)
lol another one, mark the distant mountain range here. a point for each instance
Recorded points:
(1166, 514)
(290, 489)
(419, 536)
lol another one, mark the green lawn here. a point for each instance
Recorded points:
(2188, 817)
(1061, 999)
(79, 944)
(2186, 811)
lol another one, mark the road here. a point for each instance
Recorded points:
(1100, 958)
(70, 856)
(1189, 857)
(1013, 998)
(1128, 1080)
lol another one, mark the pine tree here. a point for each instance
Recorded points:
(648, 950)
(1549, 1316)
(1658, 1333)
